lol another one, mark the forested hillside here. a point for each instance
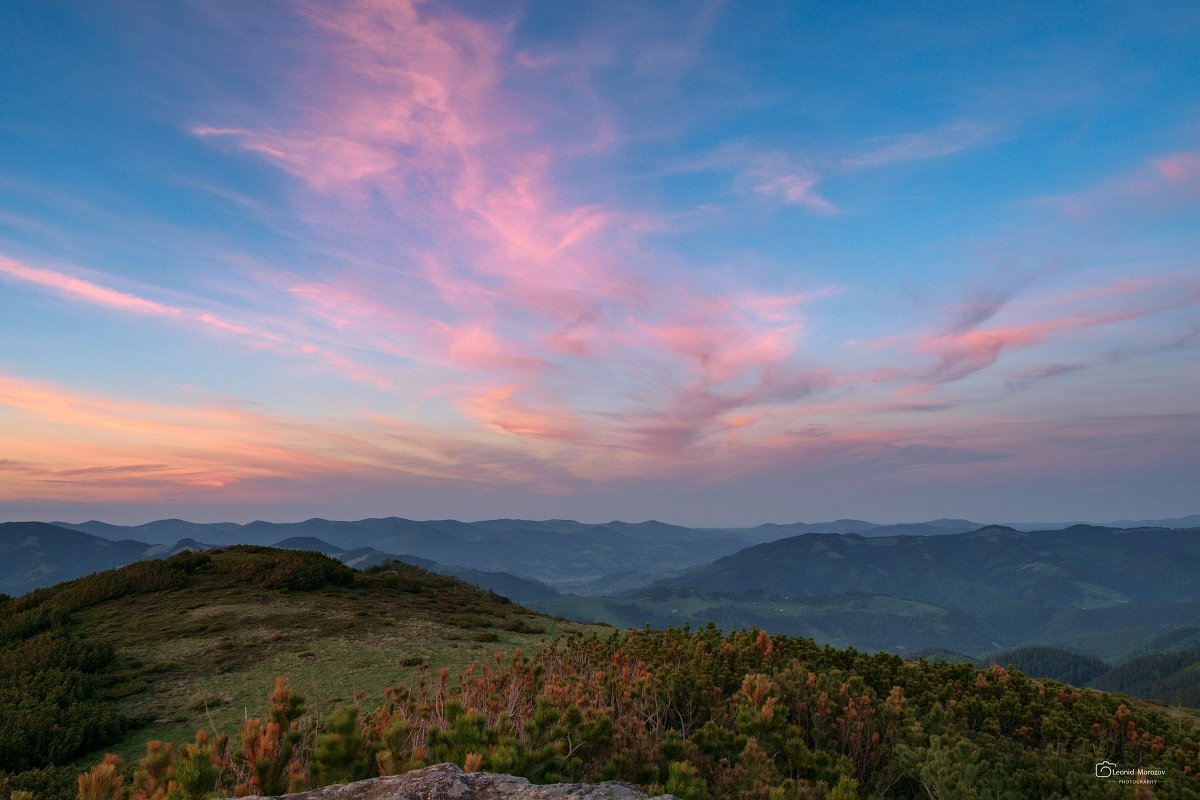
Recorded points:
(1109, 593)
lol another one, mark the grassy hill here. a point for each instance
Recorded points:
(37, 554)
(518, 589)
(196, 641)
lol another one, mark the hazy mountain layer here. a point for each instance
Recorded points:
(571, 556)
(1105, 592)
(37, 554)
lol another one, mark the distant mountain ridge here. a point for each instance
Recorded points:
(362, 531)
(1111, 593)
(1091, 566)
(1105, 591)
(564, 554)
(37, 554)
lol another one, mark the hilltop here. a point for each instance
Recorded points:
(169, 646)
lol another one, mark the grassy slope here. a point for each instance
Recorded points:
(206, 655)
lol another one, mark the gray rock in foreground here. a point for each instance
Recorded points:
(449, 782)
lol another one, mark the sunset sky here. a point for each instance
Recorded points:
(723, 263)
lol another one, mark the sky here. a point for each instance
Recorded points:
(708, 263)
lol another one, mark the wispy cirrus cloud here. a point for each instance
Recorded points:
(972, 342)
(939, 142)
(113, 449)
(527, 292)
(519, 295)
(764, 171)
(84, 290)
(1170, 181)
(799, 179)
(95, 294)
(796, 190)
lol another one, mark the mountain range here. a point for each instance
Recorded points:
(1106, 592)
(1103, 591)
(570, 556)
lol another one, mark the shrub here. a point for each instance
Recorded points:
(708, 716)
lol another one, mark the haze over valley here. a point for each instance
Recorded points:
(942, 589)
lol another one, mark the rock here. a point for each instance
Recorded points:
(449, 782)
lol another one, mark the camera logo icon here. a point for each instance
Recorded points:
(1104, 769)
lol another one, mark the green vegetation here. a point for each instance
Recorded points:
(159, 649)
(1171, 677)
(1110, 593)
(163, 662)
(1052, 663)
(704, 716)
(849, 619)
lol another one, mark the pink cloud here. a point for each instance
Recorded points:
(527, 291)
(82, 446)
(79, 289)
(1170, 181)
(498, 409)
(96, 294)
(1179, 168)
(968, 347)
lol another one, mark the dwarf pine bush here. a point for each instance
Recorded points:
(708, 716)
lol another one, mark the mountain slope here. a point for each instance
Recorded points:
(200, 637)
(855, 619)
(1052, 663)
(1170, 677)
(35, 554)
(1083, 567)
(1101, 591)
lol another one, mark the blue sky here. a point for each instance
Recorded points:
(720, 263)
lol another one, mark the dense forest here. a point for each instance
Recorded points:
(1175, 677)
(1053, 663)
